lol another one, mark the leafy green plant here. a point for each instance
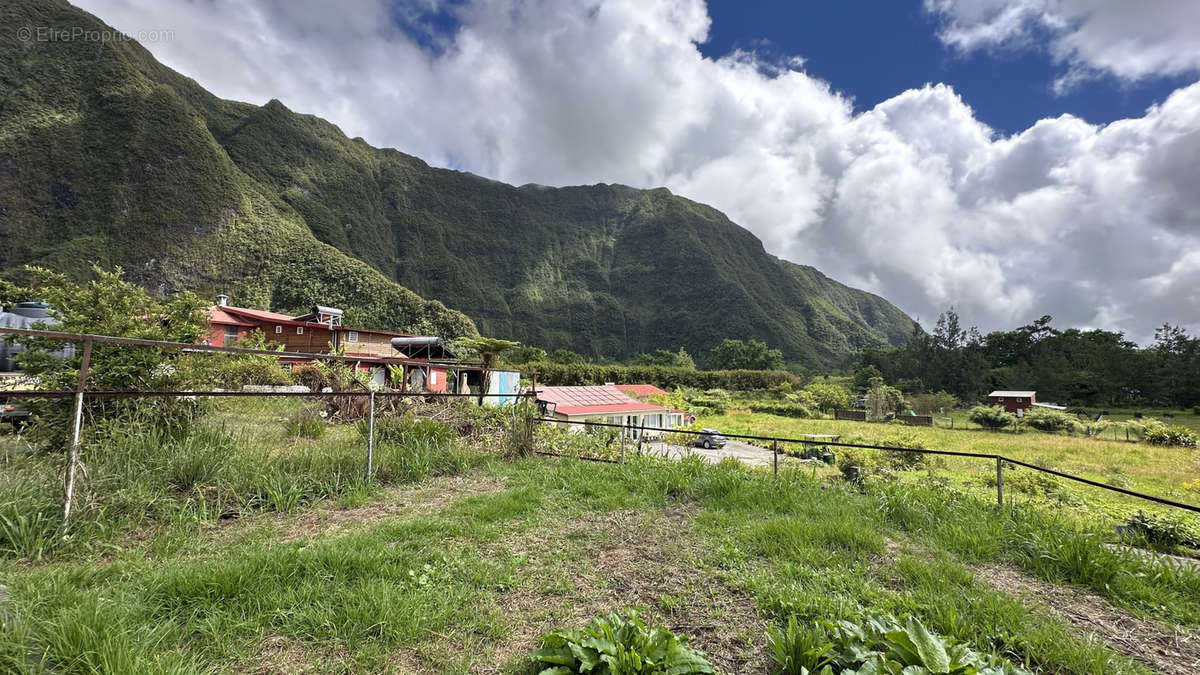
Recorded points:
(1177, 435)
(618, 644)
(1050, 420)
(991, 417)
(879, 645)
(1163, 530)
(781, 408)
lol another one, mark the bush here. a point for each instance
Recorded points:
(618, 643)
(1050, 420)
(1176, 435)
(991, 417)
(1163, 530)
(666, 377)
(904, 461)
(879, 644)
(781, 409)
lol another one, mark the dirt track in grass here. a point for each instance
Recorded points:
(1166, 650)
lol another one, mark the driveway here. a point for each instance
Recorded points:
(746, 453)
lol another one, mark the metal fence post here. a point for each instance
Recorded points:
(77, 432)
(999, 481)
(623, 442)
(641, 433)
(370, 434)
(775, 456)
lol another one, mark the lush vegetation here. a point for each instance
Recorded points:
(114, 159)
(879, 645)
(619, 644)
(1080, 368)
(164, 578)
(666, 377)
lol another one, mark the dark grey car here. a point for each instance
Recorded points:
(709, 439)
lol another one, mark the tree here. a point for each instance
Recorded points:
(665, 357)
(863, 376)
(566, 357)
(109, 305)
(487, 350)
(739, 355)
(828, 396)
(883, 400)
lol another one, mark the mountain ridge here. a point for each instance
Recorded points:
(283, 209)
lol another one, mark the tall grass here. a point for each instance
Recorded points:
(139, 474)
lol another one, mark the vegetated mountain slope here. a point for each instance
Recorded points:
(107, 157)
(606, 270)
(197, 191)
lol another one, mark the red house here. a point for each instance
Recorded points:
(1015, 402)
(317, 332)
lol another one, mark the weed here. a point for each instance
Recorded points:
(618, 643)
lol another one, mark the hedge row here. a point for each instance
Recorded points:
(667, 377)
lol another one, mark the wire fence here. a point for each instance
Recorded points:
(777, 441)
(276, 449)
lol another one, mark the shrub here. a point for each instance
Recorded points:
(1050, 420)
(667, 377)
(780, 408)
(878, 645)
(1177, 435)
(991, 417)
(618, 643)
(1162, 530)
(904, 461)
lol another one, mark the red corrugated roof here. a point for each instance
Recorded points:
(219, 316)
(642, 390)
(597, 400)
(274, 317)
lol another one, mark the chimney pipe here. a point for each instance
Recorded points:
(222, 300)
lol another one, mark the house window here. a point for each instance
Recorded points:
(352, 336)
(278, 330)
(287, 367)
(299, 330)
(230, 334)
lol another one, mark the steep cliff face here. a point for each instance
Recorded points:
(107, 156)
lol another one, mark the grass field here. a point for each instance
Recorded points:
(1173, 473)
(456, 560)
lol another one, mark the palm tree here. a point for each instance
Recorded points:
(487, 350)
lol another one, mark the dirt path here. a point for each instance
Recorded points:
(1166, 650)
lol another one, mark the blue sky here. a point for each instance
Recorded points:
(871, 50)
(958, 178)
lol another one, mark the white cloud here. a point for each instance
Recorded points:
(914, 199)
(1129, 39)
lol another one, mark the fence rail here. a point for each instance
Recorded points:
(999, 459)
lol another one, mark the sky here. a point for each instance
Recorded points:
(1008, 159)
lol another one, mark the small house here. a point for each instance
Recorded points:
(1015, 402)
(606, 404)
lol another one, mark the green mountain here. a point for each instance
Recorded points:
(108, 156)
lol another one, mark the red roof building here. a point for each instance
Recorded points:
(642, 391)
(607, 404)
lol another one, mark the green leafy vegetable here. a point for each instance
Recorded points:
(618, 644)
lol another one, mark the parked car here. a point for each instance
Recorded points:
(709, 439)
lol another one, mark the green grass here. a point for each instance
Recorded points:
(325, 571)
(1168, 472)
(435, 588)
